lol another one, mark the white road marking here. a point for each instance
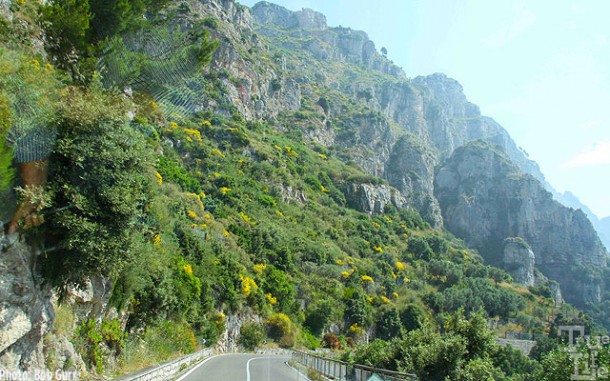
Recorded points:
(296, 370)
(195, 367)
(248, 365)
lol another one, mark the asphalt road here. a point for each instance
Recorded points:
(243, 367)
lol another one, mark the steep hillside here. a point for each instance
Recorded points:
(407, 127)
(242, 175)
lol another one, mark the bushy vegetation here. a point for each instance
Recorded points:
(194, 217)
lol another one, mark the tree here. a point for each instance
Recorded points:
(111, 17)
(388, 324)
(419, 247)
(319, 317)
(358, 310)
(429, 355)
(251, 335)
(66, 23)
(476, 370)
(478, 336)
(512, 361)
(378, 353)
(384, 51)
(412, 317)
(280, 287)
(98, 180)
(556, 366)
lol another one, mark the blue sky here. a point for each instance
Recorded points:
(540, 68)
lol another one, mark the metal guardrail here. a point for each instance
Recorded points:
(345, 371)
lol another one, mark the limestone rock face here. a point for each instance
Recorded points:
(26, 312)
(519, 261)
(485, 199)
(373, 199)
(410, 169)
(307, 19)
(338, 43)
(601, 225)
(5, 10)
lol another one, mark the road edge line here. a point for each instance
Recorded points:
(195, 367)
(296, 370)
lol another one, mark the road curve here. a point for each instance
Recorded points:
(243, 367)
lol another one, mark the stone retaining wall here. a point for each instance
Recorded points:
(168, 370)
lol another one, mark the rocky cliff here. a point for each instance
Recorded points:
(485, 199)
(26, 312)
(351, 99)
(602, 226)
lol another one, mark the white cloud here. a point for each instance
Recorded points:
(597, 155)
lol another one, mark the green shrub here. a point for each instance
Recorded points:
(98, 177)
(308, 340)
(211, 22)
(281, 330)
(251, 335)
(419, 247)
(90, 336)
(6, 153)
(388, 324)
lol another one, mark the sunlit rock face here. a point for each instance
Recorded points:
(485, 199)
(519, 261)
(26, 312)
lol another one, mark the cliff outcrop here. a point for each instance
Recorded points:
(485, 199)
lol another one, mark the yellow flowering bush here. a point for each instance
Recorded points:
(245, 217)
(188, 269)
(218, 152)
(197, 199)
(259, 268)
(270, 298)
(366, 278)
(346, 274)
(247, 285)
(194, 134)
(281, 330)
(219, 319)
